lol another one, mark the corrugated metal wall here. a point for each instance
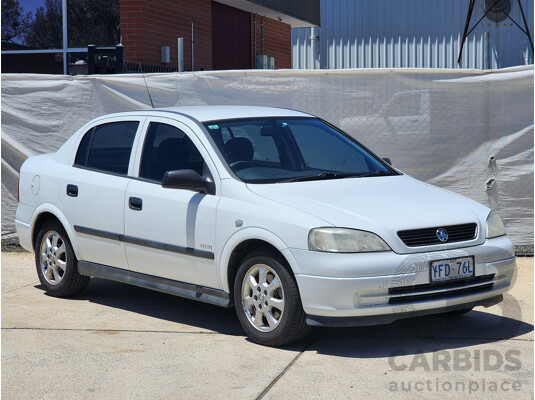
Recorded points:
(409, 34)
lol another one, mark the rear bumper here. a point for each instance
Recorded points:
(23, 224)
(401, 287)
(24, 233)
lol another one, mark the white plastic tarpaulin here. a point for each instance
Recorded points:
(464, 130)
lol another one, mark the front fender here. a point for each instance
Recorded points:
(249, 234)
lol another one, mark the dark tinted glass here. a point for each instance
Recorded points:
(167, 148)
(83, 149)
(93, 22)
(31, 24)
(111, 146)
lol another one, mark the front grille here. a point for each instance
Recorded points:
(441, 290)
(454, 283)
(435, 296)
(428, 236)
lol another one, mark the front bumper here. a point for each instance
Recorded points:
(375, 288)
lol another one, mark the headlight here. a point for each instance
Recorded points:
(343, 240)
(495, 226)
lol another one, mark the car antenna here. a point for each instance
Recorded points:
(143, 75)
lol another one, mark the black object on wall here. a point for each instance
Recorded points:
(105, 60)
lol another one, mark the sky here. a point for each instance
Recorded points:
(31, 5)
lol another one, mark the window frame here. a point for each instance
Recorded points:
(64, 50)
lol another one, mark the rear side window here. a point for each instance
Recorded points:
(108, 147)
(83, 149)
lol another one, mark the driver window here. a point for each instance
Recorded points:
(167, 148)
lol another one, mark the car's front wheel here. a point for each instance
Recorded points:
(267, 301)
(56, 263)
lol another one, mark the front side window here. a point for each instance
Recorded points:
(268, 150)
(108, 147)
(167, 148)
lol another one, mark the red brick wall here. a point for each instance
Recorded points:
(146, 25)
(277, 41)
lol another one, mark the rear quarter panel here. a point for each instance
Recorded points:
(38, 191)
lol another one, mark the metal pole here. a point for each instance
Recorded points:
(192, 58)
(471, 7)
(312, 41)
(486, 50)
(254, 61)
(65, 41)
(466, 25)
(262, 29)
(526, 25)
(180, 55)
(90, 59)
(119, 60)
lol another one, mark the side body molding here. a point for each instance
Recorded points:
(182, 289)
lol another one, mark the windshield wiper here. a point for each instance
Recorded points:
(319, 177)
(375, 173)
(333, 175)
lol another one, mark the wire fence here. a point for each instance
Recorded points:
(136, 67)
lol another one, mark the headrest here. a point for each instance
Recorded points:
(239, 149)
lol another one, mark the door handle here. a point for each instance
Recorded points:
(72, 190)
(135, 203)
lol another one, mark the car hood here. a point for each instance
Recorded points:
(383, 205)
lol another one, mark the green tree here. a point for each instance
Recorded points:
(14, 21)
(46, 28)
(93, 22)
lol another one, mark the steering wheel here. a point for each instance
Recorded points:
(239, 165)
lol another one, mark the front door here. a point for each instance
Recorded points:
(170, 233)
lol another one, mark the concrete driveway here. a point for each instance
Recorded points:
(121, 342)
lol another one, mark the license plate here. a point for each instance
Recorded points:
(456, 268)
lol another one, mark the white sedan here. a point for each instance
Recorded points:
(272, 211)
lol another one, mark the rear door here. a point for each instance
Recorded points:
(93, 190)
(170, 233)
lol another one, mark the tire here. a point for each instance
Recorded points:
(267, 301)
(456, 313)
(56, 263)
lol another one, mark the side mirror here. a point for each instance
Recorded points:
(187, 179)
(387, 160)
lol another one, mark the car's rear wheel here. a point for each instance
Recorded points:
(56, 263)
(267, 301)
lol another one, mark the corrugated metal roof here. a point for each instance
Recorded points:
(410, 34)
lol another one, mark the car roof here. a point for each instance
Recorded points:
(217, 113)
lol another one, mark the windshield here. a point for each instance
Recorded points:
(272, 150)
